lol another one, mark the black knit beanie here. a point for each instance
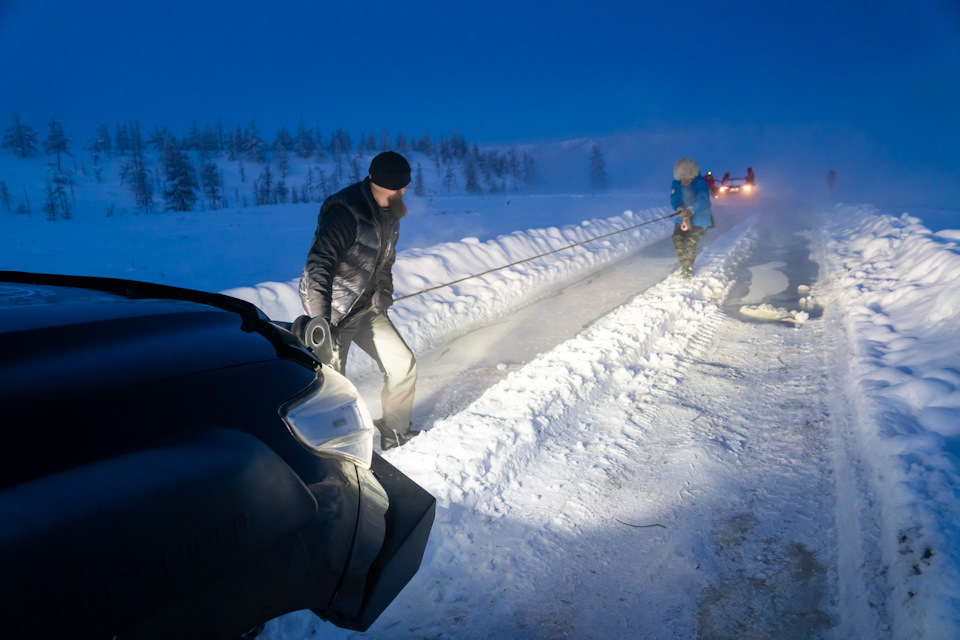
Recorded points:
(390, 170)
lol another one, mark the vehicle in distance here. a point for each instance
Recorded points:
(735, 186)
(176, 465)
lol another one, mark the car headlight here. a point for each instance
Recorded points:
(330, 418)
(746, 187)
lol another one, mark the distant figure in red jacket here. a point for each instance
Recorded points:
(726, 177)
(750, 177)
(711, 181)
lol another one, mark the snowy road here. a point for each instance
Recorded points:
(457, 372)
(609, 464)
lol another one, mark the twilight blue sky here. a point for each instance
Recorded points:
(497, 71)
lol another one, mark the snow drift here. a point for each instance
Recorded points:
(893, 288)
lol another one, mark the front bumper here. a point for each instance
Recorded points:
(407, 517)
(208, 535)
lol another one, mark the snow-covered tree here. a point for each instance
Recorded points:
(308, 185)
(100, 142)
(263, 187)
(424, 145)
(470, 176)
(355, 168)
(99, 146)
(159, 137)
(458, 145)
(446, 154)
(528, 169)
(5, 196)
(283, 138)
(512, 164)
(419, 188)
(280, 192)
(50, 201)
(598, 169)
(303, 144)
(56, 141)
(235, 145)
(281, 158)
(55, 196)
(340, 143)
(318, 143)
(21, 138)
(180, 186)
(136, 169)
(121, 140)
(209, 141)
(253, 145)
(449, 179)
(323, 187)
(191, 141)
(212, 184)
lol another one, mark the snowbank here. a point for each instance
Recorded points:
(894, 289)
(426, 317)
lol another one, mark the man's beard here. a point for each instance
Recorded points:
(396, 206)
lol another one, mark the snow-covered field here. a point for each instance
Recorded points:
(673, 471)
(667, 469)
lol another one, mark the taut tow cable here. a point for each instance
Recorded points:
(513, 264)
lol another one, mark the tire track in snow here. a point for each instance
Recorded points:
(726, 472)
(466, 456)
(860, 563)
(471, 460)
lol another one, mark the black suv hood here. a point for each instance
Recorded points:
(40, 306)
(58, 332)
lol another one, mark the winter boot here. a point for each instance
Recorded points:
(391, 438)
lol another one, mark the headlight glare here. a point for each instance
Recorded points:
(330, 418)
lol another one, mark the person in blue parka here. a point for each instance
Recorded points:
(690, 199)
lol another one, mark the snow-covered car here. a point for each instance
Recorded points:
(735, 186)
(176, 465)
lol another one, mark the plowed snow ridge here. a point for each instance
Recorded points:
(503, 430)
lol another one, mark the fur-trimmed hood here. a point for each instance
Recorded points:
(685, 169)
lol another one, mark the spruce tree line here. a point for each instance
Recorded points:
(58, 189)
(188, 171)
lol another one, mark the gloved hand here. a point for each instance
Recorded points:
(322, 339)
(382, 301)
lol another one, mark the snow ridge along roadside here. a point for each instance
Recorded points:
(429, 319)
(494, 438)
(893, 298)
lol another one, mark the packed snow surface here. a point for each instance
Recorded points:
(653, 464)
(677, 472)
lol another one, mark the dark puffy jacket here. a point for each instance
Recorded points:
(351, 259)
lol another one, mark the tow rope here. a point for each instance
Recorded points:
(513, 264)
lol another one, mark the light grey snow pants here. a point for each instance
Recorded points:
(373, 332)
